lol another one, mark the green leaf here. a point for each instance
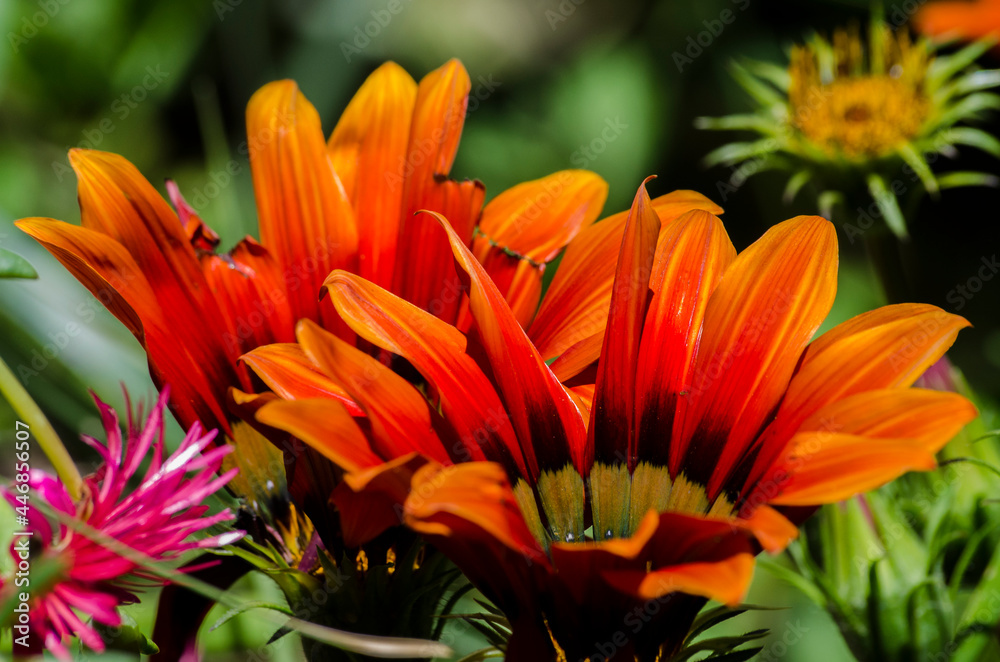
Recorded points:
(739, 151)
(795, 184)
(126, 637)
(972, 82)
(13, 265)
(967, 135)
(740, 122)
(761, 91)
(247, 606)
(920, 166)
(889, 205)
(959, 179)
(945, 66)
(968, 108)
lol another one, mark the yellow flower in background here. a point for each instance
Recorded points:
(861, 114)
(856, 106)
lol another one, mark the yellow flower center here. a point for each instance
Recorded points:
(853, 105)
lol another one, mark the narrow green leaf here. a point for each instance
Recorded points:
(761, 91)
(13, 265)
(920, 166)
(945, 66)
(247, 606)
(795, 184)
(889, 205)
(967, 135)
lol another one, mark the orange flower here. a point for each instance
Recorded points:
(600, 530)
(959, 19)
(343, 204)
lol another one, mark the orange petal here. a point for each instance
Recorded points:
(885, 348)
(366, 148)
(773, 530)
(306, 219)
(116, 199)
(424, 276)
(399, 416)
(824, 467)
(287, 371)
(325, 425)
(548, 425)
(768, 305)
(692, 255)
(97, 261)
(437, 350)
(578, 357)
(964, 20)
(470, 500)
(576, 304)
(250, 296)
(371, 501)
(930, 418)
(726, 581)
(537, 219)
(177, 349)
(611, 422)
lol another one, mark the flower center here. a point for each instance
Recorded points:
(619, 499)
(866, 116)
(855, 104)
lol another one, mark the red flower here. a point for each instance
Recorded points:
(709, 403)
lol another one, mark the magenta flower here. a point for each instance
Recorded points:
(157, 518)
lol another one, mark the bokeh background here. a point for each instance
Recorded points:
(166, 82)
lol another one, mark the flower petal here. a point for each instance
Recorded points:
(760, 317)
(437, 350)
(425, 277)
(548, 425)
(691, 257)
(613, 408)
(306, 219)
(885, 348)
(367, 146)
(325, 425)
(399, 415)
(577, 301)
(825, 467)
(287, 371)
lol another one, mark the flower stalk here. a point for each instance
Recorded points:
(41, 430)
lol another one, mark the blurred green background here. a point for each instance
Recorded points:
(165, 84)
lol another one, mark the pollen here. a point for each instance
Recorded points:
(855, 104)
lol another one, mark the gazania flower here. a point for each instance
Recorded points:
(343, 204)
(845, 117)
(158, 518)
(965, 20)
(600, 530)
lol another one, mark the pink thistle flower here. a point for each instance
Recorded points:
(157, 518)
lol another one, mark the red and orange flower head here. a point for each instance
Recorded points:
(346, 203)
(158, 518)
(610, 509)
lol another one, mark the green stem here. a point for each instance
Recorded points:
(41, 430)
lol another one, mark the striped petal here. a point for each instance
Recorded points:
(576, 304)
(399, 416)
(369, 145)
(287, 371)
(885, 348)
(437, 350)
(306, 219)
(768, 305)
(548, 425)
(691, 258)
(325, 425)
